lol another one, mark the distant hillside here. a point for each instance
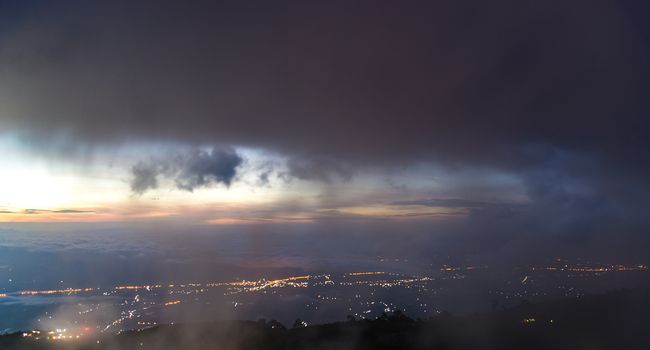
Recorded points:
(618, 320)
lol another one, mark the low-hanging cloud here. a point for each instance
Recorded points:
(144, 177)
(195, 169)
(201, 169)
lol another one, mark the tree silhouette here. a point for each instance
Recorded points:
(298, 323)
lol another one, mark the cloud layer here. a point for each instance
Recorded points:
(369, 81)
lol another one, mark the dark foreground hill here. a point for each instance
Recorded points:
(618, 320)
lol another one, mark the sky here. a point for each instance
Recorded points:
(484, 127)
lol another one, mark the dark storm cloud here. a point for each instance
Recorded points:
(367, 81)
(202, 169)
(190, 170)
